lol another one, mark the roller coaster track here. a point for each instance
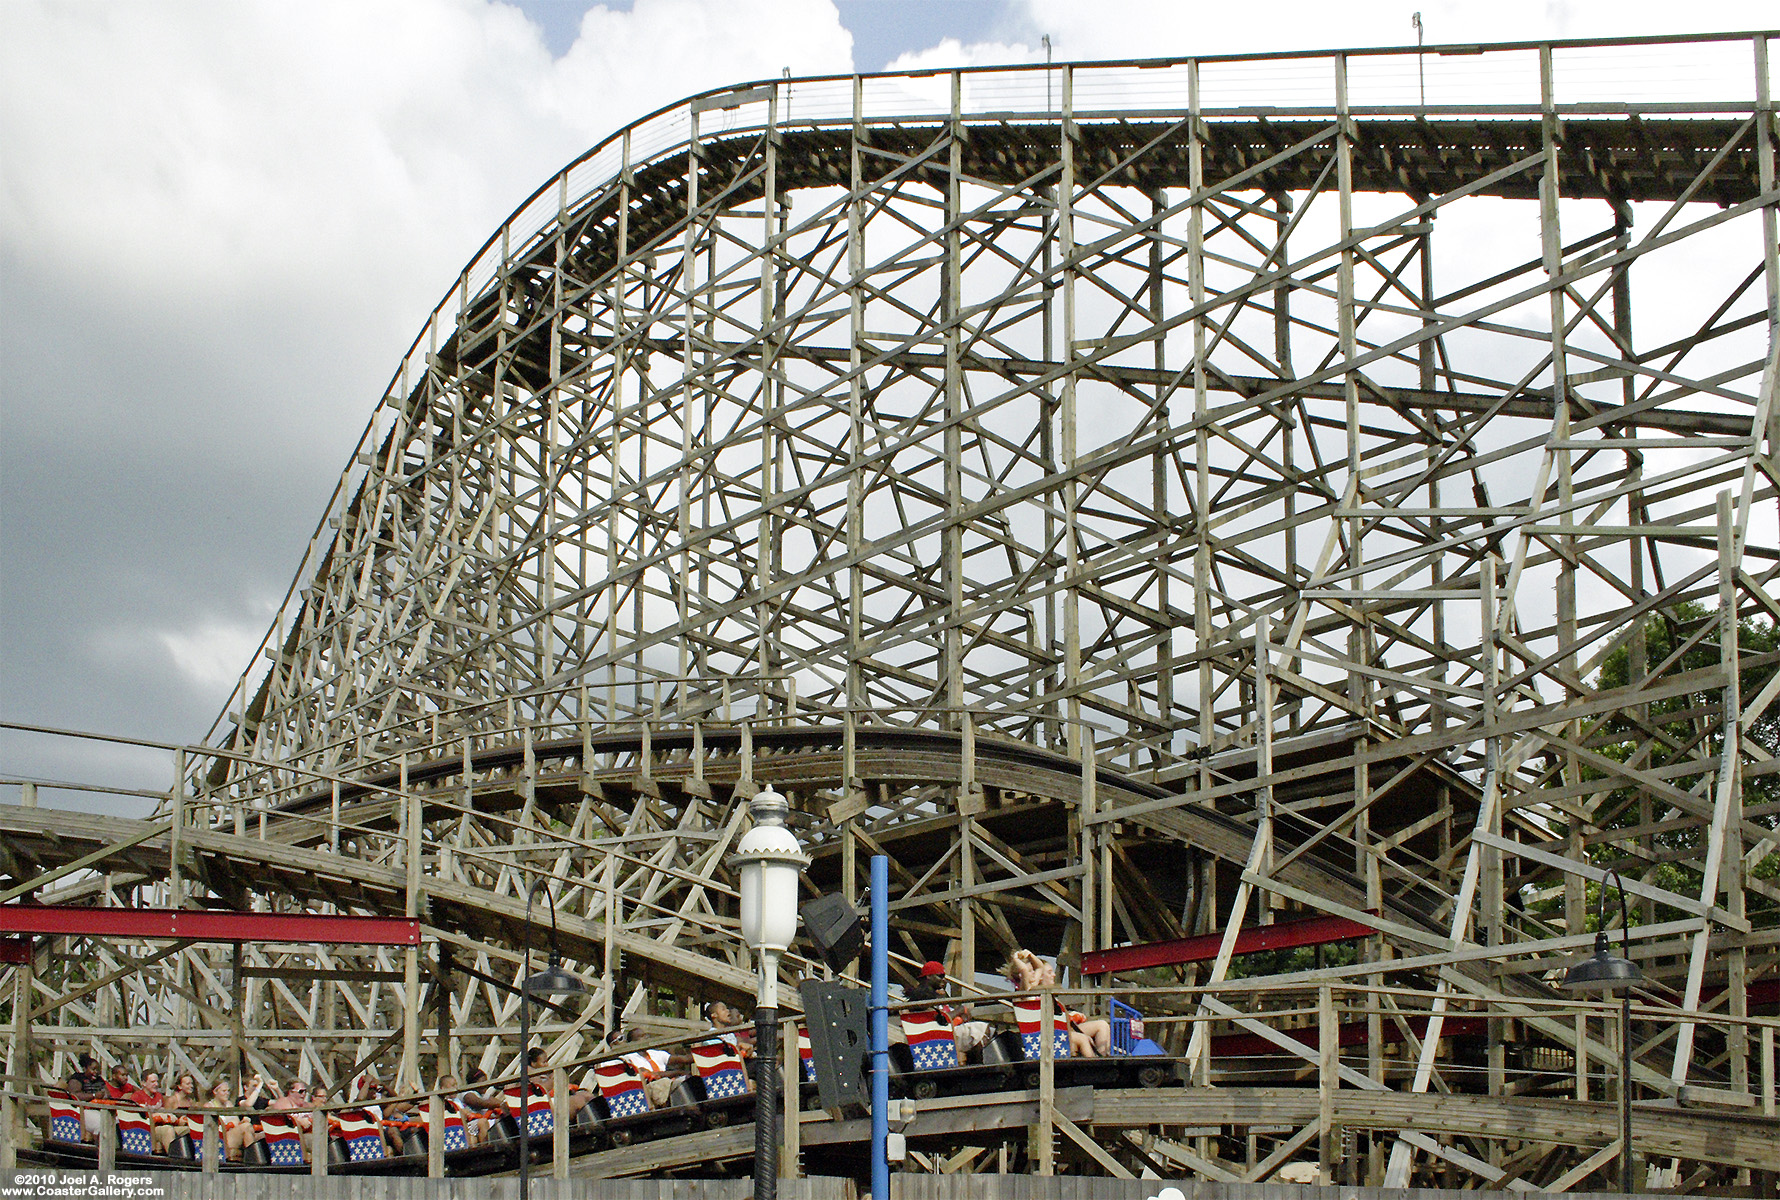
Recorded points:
(288, 853)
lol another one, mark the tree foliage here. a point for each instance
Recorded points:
(1682, 731)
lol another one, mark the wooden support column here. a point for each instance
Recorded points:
(412, 841)
(951, 333)
(1199, 504)
(614, 922)
(1328, 1078)
(1373, 949)
(766, 548)
(1071, 487)
(19, 1049)
(1084, 836)
(238, 1019)
(107, 1140)
(1161, 509)
(856, 448)
(1042, 1149)
(1557, 462)
(1347, 330)
(1730, 836)
(435, 1134)
(446, 1050)
(791, 1094)
(318, 1142)
(559, 1123)
(1581, 1056)
(176, 835)
(1264, 746)
(1102, 843)
(1770, 218)
(1767, 1071)
(970, 803)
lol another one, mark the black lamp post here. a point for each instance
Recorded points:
(1603, 973)
(551, 981)
(770, 860)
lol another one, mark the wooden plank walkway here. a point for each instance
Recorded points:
(178, 1185)
(1734, 1139)
(184, 1186)
(1087, 1187)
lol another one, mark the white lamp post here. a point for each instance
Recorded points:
(770, 860)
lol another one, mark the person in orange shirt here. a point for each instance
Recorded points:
(653, 1066)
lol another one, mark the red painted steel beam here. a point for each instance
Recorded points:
(15, 952)
(1285, 935)
(209, 925)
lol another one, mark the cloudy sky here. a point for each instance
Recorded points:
(222, 222)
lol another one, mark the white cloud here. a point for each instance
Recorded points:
(221, 146)
(221, 223)
(212, 654)
(950, 52)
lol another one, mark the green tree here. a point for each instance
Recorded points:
(1681, 730)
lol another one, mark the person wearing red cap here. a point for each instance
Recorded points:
(967, 1034)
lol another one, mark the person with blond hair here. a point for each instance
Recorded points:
(1027, 972)
(238, 1132)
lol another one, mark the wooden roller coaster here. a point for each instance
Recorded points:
(1099, 490)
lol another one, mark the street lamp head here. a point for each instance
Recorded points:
(769, 859)
(554, 981)
(1602, 971)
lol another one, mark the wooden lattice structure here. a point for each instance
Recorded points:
(1102, 490)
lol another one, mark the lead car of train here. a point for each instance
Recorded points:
(619, 1114)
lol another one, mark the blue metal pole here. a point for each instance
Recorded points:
(880, 1027)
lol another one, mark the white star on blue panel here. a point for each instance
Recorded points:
(725, 1084)
(935, 1055)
